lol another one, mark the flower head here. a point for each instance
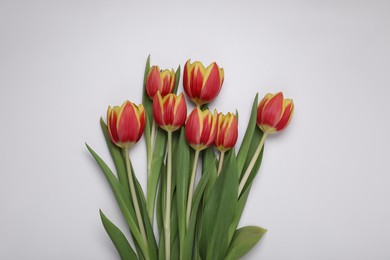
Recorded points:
(160, 80)
(227, 132)
(274, 113)
(202, 84)
(201, 128)
(169, 112)
(126, 124)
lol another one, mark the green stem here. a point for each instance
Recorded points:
(251, 164)
(134, 199)
(167, 219)
(220, 162)
(191, 188)
(152, 195)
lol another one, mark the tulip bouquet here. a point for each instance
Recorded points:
(195, 220)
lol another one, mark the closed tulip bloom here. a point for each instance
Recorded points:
(227, 132)
(160, 80)
(169, 112)
(274, 113)
(126, 124)
(201, 128)
(202, 84)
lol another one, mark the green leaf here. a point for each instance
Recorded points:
(246, 142)
(209, 161)
(177, 77)
(256, 137)
(197, 198)
(237, 215)
(181, 171)
(219, 212)
(124, 204)
(118, 239)
(243, 241)
(152, 244)
(117, 157)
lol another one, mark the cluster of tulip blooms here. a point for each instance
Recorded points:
(193, 221)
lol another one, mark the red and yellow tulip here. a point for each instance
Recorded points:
(202, 84)
(227, 132)
(169, 112)
(126, 124)
(274, 113)
(201, 128)
(160, 80)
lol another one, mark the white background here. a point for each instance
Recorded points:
(323, 189)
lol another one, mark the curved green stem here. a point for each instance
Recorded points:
(220, 162)
(135, 199)
(251, 164)
(191, 188)
(151, 195)
(167, 219)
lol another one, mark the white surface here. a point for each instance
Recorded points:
(323, 190)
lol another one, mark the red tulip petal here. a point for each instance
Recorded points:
(260, 107)
(112, 118)
(141, 115)
(287, 114)
(193, 128)
(272, 110)
(128, 124)
(187, 78)
(158, 110)
(212, 85)
(180, 111)
(168, 107)
(153, 81)
(197, 81)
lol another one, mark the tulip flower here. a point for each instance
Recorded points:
(126, 124)
(274, 113)
(160, 80)
(202, 84)
(227, 134)
(170, 113)
(201, 129)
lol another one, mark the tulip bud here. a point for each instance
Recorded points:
(227, 132)
(274, 113)
(202, 84)
(126, 124)
(160, 80)
(169, 112)
(201, 128)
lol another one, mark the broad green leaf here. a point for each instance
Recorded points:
(117, 157)
(239, 209)
(209, 161)
(219, 212)
(243, 241)
(246, 142)
(197, 198)
(123, 203)
(181, 169)
(147, 102)
(156, 165)
(177, 77)
(152, 244)
(118, 239)
(256, 137)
